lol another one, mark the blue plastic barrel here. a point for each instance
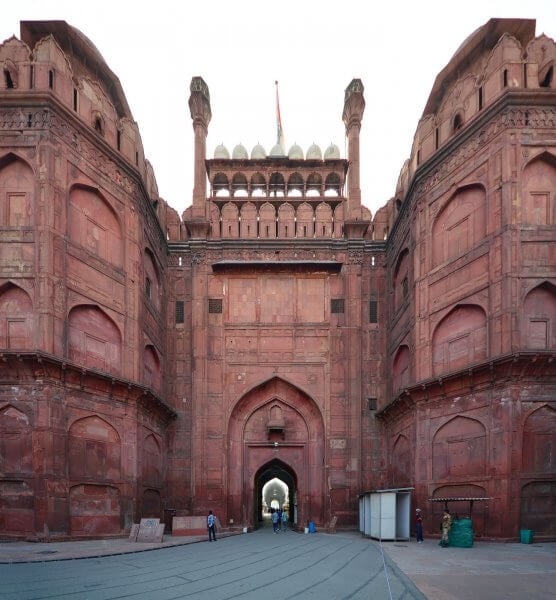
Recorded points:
(311, 527)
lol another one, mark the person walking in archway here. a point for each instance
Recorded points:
(284, 520)
(274, 516)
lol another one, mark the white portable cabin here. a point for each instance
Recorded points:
(385, 514)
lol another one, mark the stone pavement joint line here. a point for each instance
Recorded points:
(250, 566)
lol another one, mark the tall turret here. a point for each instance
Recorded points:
(354, 106)
(199, 105)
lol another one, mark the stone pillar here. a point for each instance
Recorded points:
(199, 105)
(354, 106)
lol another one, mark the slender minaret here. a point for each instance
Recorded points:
(354, 106)
(199, 105)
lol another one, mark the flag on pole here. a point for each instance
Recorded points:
(279, 130)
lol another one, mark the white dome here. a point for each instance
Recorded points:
(332, 152)
(295, 152)
(314, 152)
(277, 150)
(240, 152)
(221, 152)
(258, 152)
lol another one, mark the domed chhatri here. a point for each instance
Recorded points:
(258, 152)
(314, 152)
(296, 152)
(240, 152)
(221, 152)
(277, 151)
(332, 152)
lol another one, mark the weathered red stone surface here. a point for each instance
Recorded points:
(152, 366)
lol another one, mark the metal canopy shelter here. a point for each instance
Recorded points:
(460, 499)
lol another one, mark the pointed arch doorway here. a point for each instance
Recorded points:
(276, 430)
(269, 493)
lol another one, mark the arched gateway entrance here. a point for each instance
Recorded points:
(276, 431)
(273, 471)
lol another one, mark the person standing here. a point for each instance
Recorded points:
(211, 526)
(285, 520)
(419, 526)
(446, 526)
(275, 520)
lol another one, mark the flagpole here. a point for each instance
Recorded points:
(279, 130)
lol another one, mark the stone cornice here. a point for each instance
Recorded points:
(488, 373)
(331, 245)
(72, 372)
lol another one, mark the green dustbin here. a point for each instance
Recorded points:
(526, 536)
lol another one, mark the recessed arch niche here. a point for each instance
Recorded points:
(459, 339)
(94, 340)
(94, 224)
(255, 440)
(17, 191)
(16, 318)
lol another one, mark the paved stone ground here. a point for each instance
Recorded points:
(487, 571)
(250, 566)
(287, 565)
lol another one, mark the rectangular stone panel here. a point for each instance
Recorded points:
(242, 300)
(539, 254)
(277, 300)
(311, 300)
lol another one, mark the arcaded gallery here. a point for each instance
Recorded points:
(276, 344)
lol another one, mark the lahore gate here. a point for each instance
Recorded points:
(277, 344)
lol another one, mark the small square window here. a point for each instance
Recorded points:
(215, 305)
(371, 403)
(337, 305)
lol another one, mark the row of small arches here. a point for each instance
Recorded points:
(295, 152)
(276, 185)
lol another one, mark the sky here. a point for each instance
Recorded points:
(314, 48)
